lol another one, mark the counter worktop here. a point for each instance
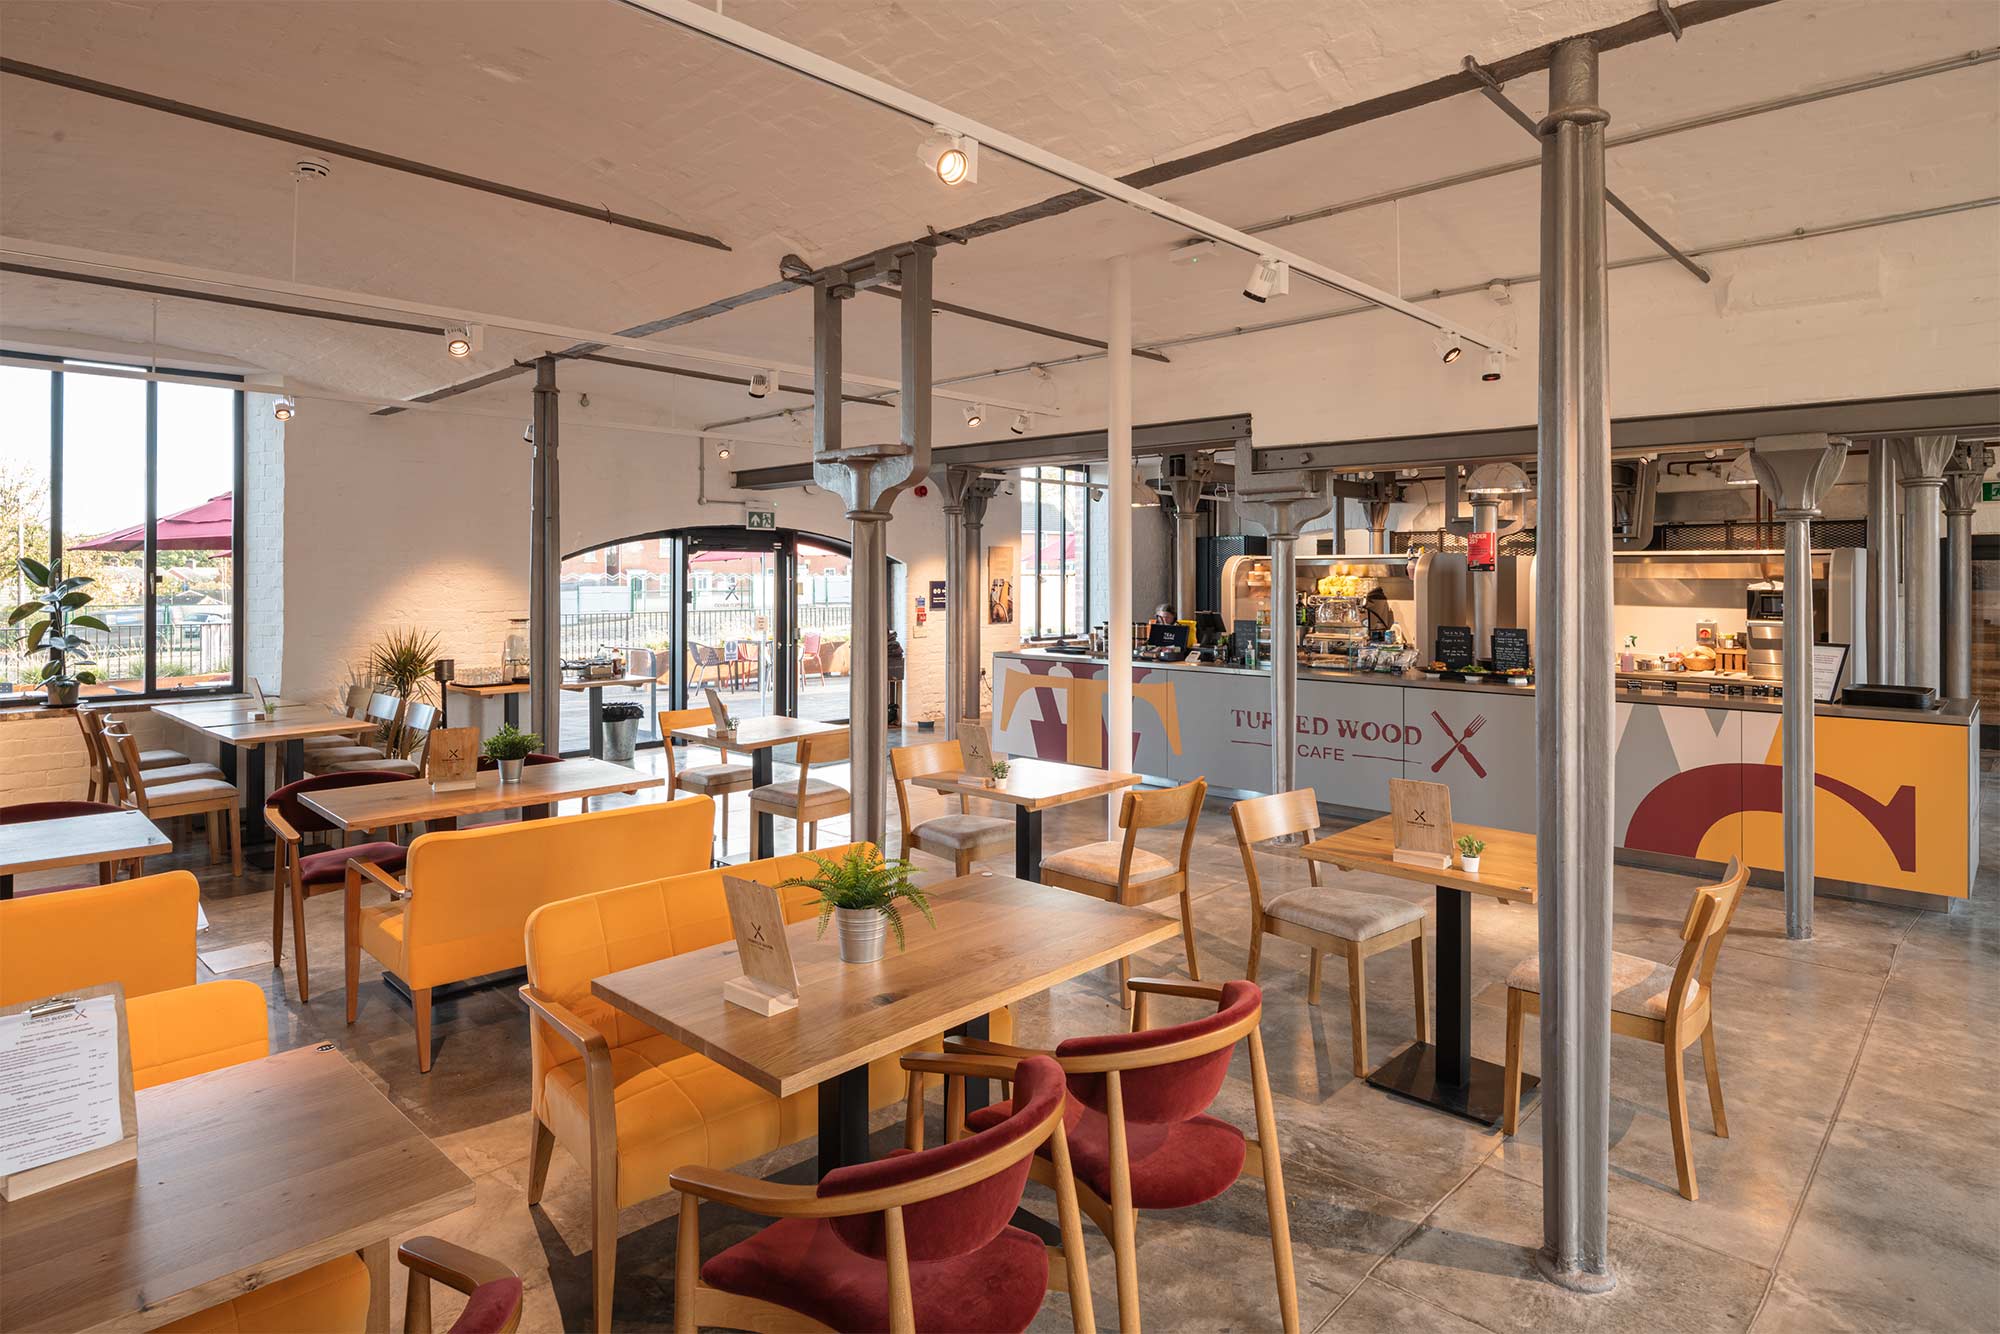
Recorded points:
(1693, 689)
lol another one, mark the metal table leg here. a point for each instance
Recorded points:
(843, 1120)
(1445, 1074)
(510, 710)
(764, 828)
(1027, 844)
(596, 694)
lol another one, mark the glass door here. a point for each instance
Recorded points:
(737, 625)
(824, 615)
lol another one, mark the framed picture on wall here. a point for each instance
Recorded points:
(1000, 587)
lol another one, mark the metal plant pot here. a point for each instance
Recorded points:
(62, 694)
(510, 770)
(861, 934)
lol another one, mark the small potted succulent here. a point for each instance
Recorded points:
(54, 633)
(998, 770)
(511, 747)
(861, 891)
(1469, 849)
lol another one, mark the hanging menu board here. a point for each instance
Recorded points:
(1454, 646)
(1510, 650)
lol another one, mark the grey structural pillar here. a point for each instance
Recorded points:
(1885, 569)
(545, 565)
(867, 478)
(972, 610)
(1961, 497)
(954, 583)
(1796, 472)
(1281, 504)
(1923, 459)
(1186, 475)
(1574, 732)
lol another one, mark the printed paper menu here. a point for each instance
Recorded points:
(59, 1083)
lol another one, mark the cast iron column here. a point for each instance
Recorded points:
(1281, 515)
(545, 566)
(1118, 461)
(1923, 459)
(971, 653)
(1186, 475)
(1961, 497)
(1574, 734)
(954, 584)
(1797, 471)
(867, 478)
(1885, 570)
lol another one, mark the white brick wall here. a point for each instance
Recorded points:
(262, 568)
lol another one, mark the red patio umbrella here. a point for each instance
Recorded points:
(209, 526)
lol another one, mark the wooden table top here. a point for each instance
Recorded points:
(78, 840)
(245, 1175)
(288, 722)
(997, 940)
(1034, 785)
(522, 687)
(761, 733)
(374, 805)
(1506, 868)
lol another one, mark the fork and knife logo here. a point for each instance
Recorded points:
(1458, 740)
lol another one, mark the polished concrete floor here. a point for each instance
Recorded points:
(1859, 1188)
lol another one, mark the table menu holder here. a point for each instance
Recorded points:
(1421, 815)
(724, 724)
(35, 1176)
(451, 759)
(260, 708)
(770, 981)
(975, 748)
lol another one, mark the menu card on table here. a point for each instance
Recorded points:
(770, 981)
(66, 1102)
(976, 749)
(719, 712)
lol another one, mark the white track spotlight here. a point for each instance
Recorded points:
(974, 415)
(953, 157)
(722, 451)
(463, 341)
(1021, 424)
(284, 409)
(1496, 366)
(1448, 346)
(762, 383)
(1268, 278)
(528, 432)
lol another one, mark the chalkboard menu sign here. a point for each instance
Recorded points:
(1510, 650)
(1454, 646)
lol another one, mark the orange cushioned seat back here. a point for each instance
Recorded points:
(189, 1031)
(138, 933)
(473, 890)
(570, 943)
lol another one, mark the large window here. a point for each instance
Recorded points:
(132, 484)
(1054, 580)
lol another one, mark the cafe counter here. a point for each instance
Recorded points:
(1698, 776)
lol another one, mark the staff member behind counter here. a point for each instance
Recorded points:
(1163, 615)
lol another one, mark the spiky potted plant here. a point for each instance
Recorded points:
(55, 606)
(511, 747)
(402, 663)
(861, 891)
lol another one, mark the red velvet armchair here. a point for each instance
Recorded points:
(1139, 1134)
(297, 874)
(492, 1290)
(920, 1240)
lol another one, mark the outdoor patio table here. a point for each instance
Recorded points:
(1445, 1074)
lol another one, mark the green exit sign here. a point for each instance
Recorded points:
(1989, 490)
(756, 518)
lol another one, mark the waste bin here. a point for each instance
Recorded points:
(621, 730)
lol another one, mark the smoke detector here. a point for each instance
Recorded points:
(312, 169)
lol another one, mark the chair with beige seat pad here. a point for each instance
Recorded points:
(210, 797)
(1326, 919)
(806, 800)
(418, 719)
(960, 839)
(715, 781)
(383, 710)
(354, 705)
(159, 765)
(1670, 1004)
(1121, 872)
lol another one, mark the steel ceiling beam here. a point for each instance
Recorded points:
(686, 373)
(1008, 322)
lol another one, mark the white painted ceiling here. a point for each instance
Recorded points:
(596, 101)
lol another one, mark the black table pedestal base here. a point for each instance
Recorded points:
(1027, 844)
(1412, 1073)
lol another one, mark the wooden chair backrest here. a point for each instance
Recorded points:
(91, 723)
(1709, 913)
(833, 748)
(1154, 810)
(355, 701)
(124, 756)
(929, 757)
(1258, 819)
(1166, 1053)
(671, 721)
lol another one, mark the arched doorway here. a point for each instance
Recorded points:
(763, 616)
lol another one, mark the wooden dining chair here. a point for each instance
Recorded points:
(1671, 1004)
(1119, 871)
(298, 875)
(1324, 919)
(493, 1292)
(913, 1242)
(709, 780)
(960, 839)
(354, 704)
(159, 765)
(418, 719)
(383, 711)
(1143, 1138)
(212, 798)
(806, 800)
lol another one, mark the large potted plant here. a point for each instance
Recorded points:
(55, 606)
(402, 663)
(511, 747)
(861, 892)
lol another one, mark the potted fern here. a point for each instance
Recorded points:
(55, 603)
(861, 891)
(511, 747)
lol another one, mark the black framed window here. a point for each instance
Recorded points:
(1055, 555)
(135, 484)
